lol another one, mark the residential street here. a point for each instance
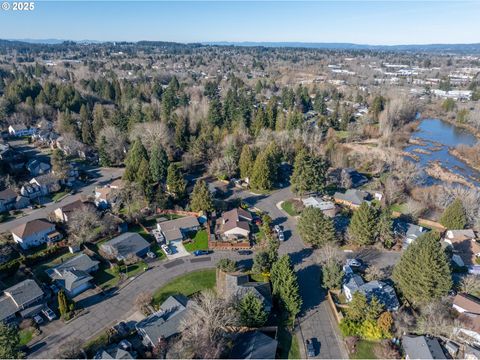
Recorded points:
(104, 175)
(315, 320)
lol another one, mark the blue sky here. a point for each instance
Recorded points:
(365, 22)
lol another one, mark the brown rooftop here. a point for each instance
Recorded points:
(31, 227)
(470, 303)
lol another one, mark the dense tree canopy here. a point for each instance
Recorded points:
(315, 228)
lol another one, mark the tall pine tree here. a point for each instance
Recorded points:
(363, 226)
(158, 163)
(135, 155)
(454, 217)
(315, 228)
(246, 162)
(423, 273)
(285, 285)
(201, 198)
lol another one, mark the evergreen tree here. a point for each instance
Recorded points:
(103, 157)
(454, 217)
(9, 342)
(261, 263)
(143, 177)
(260, 121)
(263, 172)
(215, 113)
(176, 184)
(363, 225)
(309, 173)
(385, 229)
(181, 132)
(158, 163)
(332, 275)
(135, 155)
(251, 310)
(315, 228)
(59, 164)
(201, 198)
(423, 273)
(285, 285)
(63, 306)
(246, 162)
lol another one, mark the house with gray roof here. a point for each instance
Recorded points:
(254, 345)
(237, 285)
(327, 207)
(74, 274)
(383, 292)
(165, 322)
(36, 167)
(125, 246)
(409, 232)
(422, 347)
(7, 199)
(177, 229)
(352, 198)
(18, 298)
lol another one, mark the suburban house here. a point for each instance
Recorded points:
(105, 196)
(468, 325)
(465, 303)
(8, 199)
(465, 248)
(253, 345)
(31, 191)
(48, 183)
(421, 347)
(165, 322)
(383, 292)
(117, 351)
(351, 198)
(234, 224)
(237, 285)
(177, 229)
(20, 298)
(21, 130)
(409, 232)
(46, 137)
(126, 245)
(65, 212)
(34, 233)
(328, 208)
(352, 177)
(74, 274)
(36, 167)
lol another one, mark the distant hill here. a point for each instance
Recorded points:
(434, 48)
(448, 48)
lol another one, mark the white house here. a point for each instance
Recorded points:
(20, 130)
(34, 233)
(234, 224)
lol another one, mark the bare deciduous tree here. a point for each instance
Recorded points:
(470, 284)
(143, 301)
(83, 224)
(203, 333)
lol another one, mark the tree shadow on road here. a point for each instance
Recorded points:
(298, 257)
(310, 289)
(95, 299)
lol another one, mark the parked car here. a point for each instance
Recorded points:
(201, 252)
(244, 252)
(277, 228)
(38, 319)
(281, 236)
(49, 314)
(166, 249)
(355, 263)
(310, 348)
(151, 255)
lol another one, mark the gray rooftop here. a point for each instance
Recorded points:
(356, 197)
(24, 292)
(254, 345)
(238, 285)
(81, 262)
(166, 322)
(422, 347)
(7, 307)
(127, 244)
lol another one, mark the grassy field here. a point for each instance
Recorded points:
(59, 195)
(401, 208)
(364, 350)
(106, 277)
(25, 336)
(187, 285)
(287, 206)
(200, 241)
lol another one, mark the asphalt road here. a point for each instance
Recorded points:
(315, 320)
(103, 175)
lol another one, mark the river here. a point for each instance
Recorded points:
(435, 137)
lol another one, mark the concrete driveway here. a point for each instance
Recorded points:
(178, 250)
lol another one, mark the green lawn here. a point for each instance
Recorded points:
(25, 336)
(342, 134)
(287, 206)
(59, 195)
(401, 208)
(106, 277)
(187, 285)
(200, 241)
(364, 350)
(258, 278)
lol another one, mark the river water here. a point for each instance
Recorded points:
(436, 138)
